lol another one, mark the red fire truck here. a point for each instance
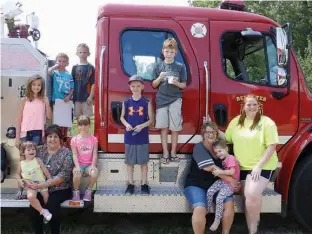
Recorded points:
(227, 54)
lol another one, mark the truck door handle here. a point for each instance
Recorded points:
(116, 111)
(220, 114)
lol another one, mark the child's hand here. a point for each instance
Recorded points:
(77, 171)
(89, 100)
(138, 128)
(21, 183)
(129, 127)
(162, 75)
(67, 99)
(175, 82)
(55, 66)
(217, 172)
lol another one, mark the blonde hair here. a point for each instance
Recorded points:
(243, 113)
(84, 45)
(170, 43)
(63, 55)
(24, 146)
(29, 92)
(83, 120)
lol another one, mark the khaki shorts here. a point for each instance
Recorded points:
(170, 116)
(82, 108)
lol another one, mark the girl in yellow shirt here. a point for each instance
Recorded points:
(33, 169)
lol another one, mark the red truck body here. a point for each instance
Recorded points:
(292, 113)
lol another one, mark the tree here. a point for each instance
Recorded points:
(298, 13)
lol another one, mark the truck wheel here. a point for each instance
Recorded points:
(301, 192)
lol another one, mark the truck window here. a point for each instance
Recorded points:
(250, 60)
(141, 49)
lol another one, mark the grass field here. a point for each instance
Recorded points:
(15, 221)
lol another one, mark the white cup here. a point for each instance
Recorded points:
(171, 79)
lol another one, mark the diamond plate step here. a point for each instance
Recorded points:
(165, 199)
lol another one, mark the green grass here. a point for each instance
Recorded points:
(77, 221)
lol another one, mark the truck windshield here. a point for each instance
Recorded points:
(251, 60)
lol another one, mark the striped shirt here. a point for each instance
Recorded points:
(201, 158)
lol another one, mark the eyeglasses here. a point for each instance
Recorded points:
(211, 132)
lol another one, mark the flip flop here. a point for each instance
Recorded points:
(175, 158)
(164, 160)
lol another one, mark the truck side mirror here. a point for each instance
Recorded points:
(281, 47)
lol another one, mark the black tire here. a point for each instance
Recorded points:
(301, 192)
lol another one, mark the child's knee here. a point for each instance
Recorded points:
(77, 173)
(31, 195)
(94, 172)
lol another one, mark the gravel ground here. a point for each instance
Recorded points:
(15, 221)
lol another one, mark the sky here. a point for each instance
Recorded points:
(66, 23)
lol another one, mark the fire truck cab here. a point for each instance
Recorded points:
(227, 54)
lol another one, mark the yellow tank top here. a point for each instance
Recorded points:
(32, 171)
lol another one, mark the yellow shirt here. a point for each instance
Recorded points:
(249, 145)
(32, 171)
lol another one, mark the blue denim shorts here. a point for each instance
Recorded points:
(198, 197)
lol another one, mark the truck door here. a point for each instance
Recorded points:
(134, 47)
(245, 65)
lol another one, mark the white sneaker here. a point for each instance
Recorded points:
(46, 214)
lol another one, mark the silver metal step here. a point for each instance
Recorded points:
(165, 199)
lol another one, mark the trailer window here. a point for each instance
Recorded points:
(141, 49)
(250, 60)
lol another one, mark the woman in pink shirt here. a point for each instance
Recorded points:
(33, 111)
(84, 147)
(225, 189)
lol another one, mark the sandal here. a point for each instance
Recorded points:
(164, 160)
(21, 195)
(174, 158)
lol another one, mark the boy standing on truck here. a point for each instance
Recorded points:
(83, 74)
(136, 116)
(62, 92)
(170, 78)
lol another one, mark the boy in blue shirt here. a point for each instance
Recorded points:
(62, 83)
(136, 116)
(83, 74)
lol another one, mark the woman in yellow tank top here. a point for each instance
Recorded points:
(32, 169)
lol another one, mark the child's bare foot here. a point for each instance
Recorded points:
(215, 225)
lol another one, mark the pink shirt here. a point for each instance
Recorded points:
(229, 162)
(85, 147)
(33, 116)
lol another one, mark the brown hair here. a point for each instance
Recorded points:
(29, 92)
(243, 113)
(24, 146)
(209, 124)
(83, 120)
(84, 45)
(170, 43)
(220, 143)
(53, 129)
(62, 55)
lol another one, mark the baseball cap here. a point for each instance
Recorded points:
(136, 78)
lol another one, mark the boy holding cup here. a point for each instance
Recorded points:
(169, 77)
